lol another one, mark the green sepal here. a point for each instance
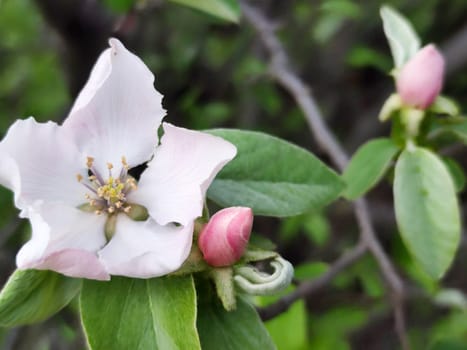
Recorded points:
(223, 280)
(194, 263)
(392, 104)
(445, 105)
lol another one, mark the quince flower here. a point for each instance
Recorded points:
(91, 216)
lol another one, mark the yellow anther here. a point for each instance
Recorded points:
(79, 177)
(118, 204)
(98, 212)
(89, 161)
(127, 209)
(87, 196)
(109, 166)
(111, 210)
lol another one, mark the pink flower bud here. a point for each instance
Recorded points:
(420, 79)
(224, 238)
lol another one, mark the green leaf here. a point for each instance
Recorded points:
(31, 296)
(427, 211)
(272, 176)
(367, 166)
(403, 39)
(240, 329)
(124, 313)
(228, 10)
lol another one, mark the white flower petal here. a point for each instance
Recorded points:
(118, 111)
(173, 186)
(146, 249)
(38, 162)
(64, 239)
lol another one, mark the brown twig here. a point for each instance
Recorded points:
(280, 71)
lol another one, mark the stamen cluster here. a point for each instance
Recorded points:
(108, 196)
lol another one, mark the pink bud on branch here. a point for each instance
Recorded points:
(420, 80)
(224, 238)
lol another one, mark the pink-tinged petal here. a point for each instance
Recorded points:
(173, 186)
(74, 263)
(146, 249)
(118, 111)
(64, 239)
(38, 162)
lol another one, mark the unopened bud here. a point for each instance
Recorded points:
(420, 80)
(224, 238)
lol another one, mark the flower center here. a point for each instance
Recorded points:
(107, 196)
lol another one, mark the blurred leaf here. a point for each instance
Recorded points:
(427, 212)
(31, 296)
(332, 17)
(448, 344)
(453, 126)
(228, 10)
(309, 271)
(272, 176)
(317, 228)
(315, 225)
(121, 6)
(457, 173)
(367, 166)
(452, 298)
(235, 330)
(450, 332)
(403, 39)
(345, 8)
(362, 57)
(289, 330)
(124, 313)
(330, 329)
(261, 242)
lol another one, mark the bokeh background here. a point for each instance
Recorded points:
(214, 74)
